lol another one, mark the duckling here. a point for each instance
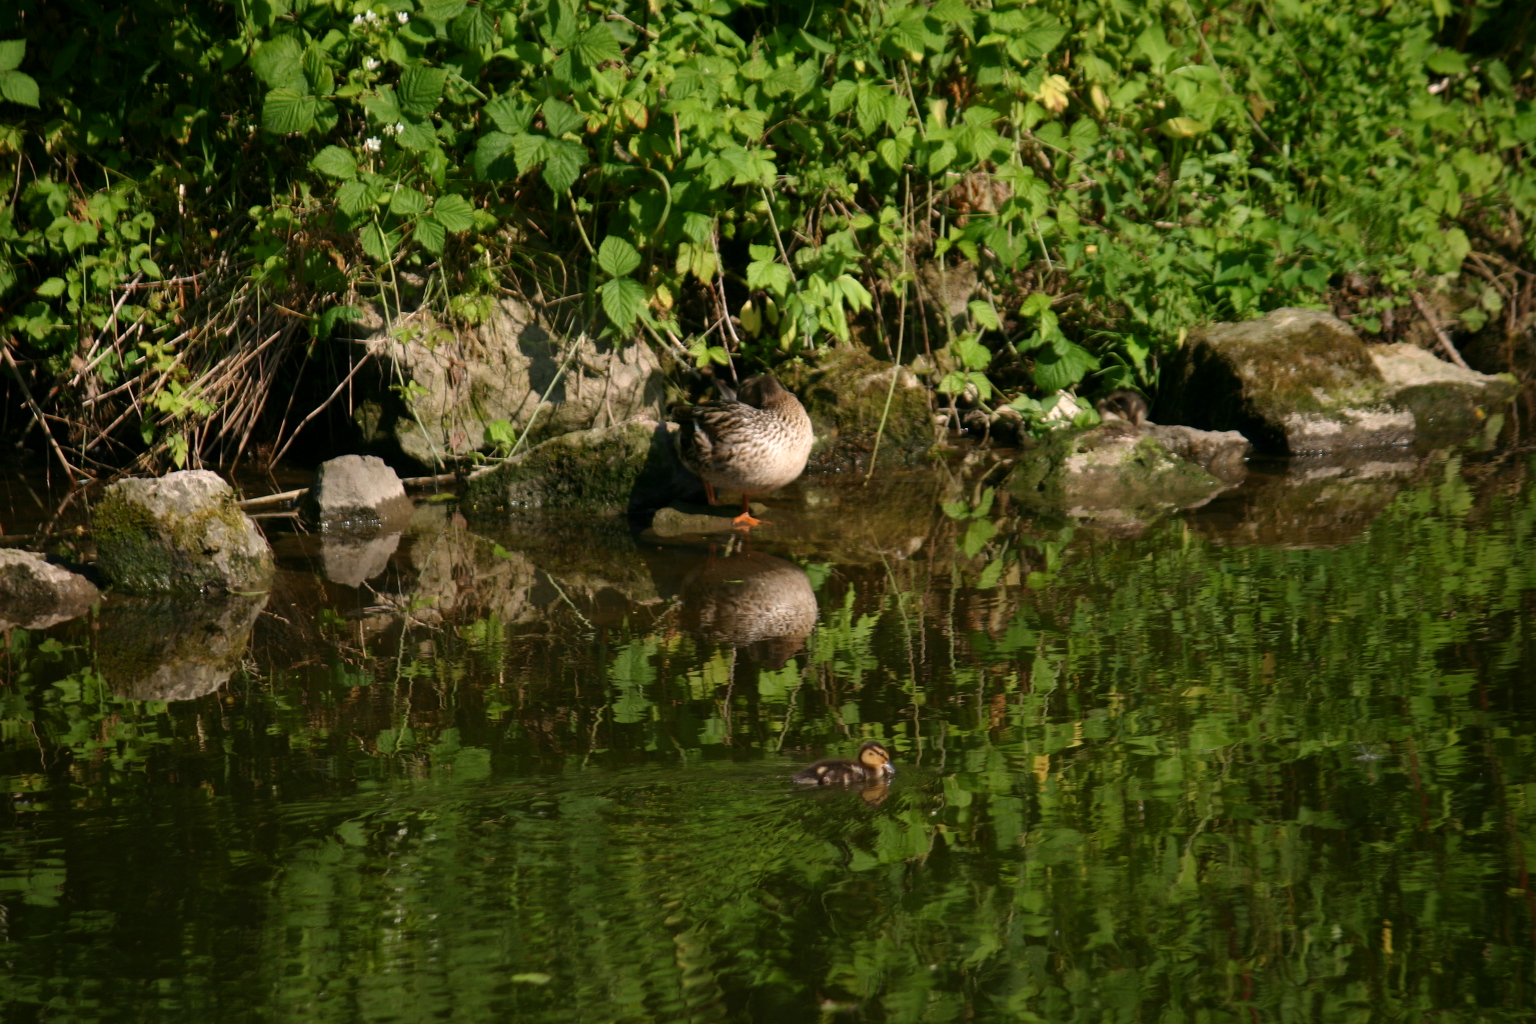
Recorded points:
(873, 766)
(1128, 406)
(753, 442)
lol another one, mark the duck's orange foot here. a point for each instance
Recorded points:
(746, 521)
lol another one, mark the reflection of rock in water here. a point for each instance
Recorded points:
(351, 560)
(174, 648)
(751, 600)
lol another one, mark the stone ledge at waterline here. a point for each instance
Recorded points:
(844, 391)
(35, 594)
(1300, 382)
(629, 468)
(500, 370)
(179, 532)
(1119, 471)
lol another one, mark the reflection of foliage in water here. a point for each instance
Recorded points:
(1148, 779)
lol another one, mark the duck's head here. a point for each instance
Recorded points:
(875, 757)
(764, 391)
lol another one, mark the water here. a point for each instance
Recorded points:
(1270, 760)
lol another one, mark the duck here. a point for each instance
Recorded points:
(754, 439)
(1128, 406)
(872, 767)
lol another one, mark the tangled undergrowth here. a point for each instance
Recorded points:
(1040, 195)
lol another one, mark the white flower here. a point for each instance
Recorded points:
(371, 63)
(372, 144)
(371, 17)
(357, 20)
(402, 17)
(399, 127)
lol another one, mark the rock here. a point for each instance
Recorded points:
(629, 468)
(35, 594)
(499, 371)
(356, 491)
(351, 560)
(1445, 399)
(182, 531)
(1296, 381)
(1111, 467)
(174, 648)
(1221, 453)
(844, 390)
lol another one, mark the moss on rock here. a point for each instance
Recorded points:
(844, 390)
(1110, 467)
(631, 467)
(180, 532)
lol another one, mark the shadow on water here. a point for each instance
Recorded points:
(1272, 760)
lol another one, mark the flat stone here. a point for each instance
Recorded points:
(1221, 453)
(1443, 398)
(1113, 467)
(356, 491)
(681, 519)
(1295, 381)
(35, 594)
(179, 532)
(629, 468)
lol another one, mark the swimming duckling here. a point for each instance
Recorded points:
(1124, 405)
(873, 765)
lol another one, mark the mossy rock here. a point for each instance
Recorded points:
(1295, 381)
(629, 468)
(1447, 401)
(844, 390)
(179, 532)
(1112, 467)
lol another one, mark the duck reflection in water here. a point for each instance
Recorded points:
(753, 601)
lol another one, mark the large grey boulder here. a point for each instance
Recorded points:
(36, 595)
(174, 648)
(463, 381)
(844, 390)
(179, 532)
(1445, 399)
(357, 491)
(1295, 381)
(631, 467)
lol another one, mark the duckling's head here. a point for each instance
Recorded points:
(876, 758)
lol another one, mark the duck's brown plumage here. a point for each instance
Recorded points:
(873, 766)
(753, 440)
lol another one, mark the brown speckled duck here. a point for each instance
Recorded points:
(873, 766)
(753, 440)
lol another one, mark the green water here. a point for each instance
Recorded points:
(1271, 760)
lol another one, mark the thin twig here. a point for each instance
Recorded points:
(1440, 335)
(69, 471)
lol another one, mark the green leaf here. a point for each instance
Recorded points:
(562, 164)
(335, 162)
(354, 197)
(560, 117)
(150, 268)
(1062, 365)
(442, 10)
(280, 64)
(376, 243)
(623, 299)
(286, 112)
(430, 234)
(494, 157)
(407, 202)
(511, 116)
(19, 87)
(769, 275)
(421, 89)
(617, 257)
(327, 321)
(1037, 303)
(474, 28)
(51, 288)
(597, 45)
(1446, 61)
(454, 213)
(11, 53)
(1084, 133)
(985, 315)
